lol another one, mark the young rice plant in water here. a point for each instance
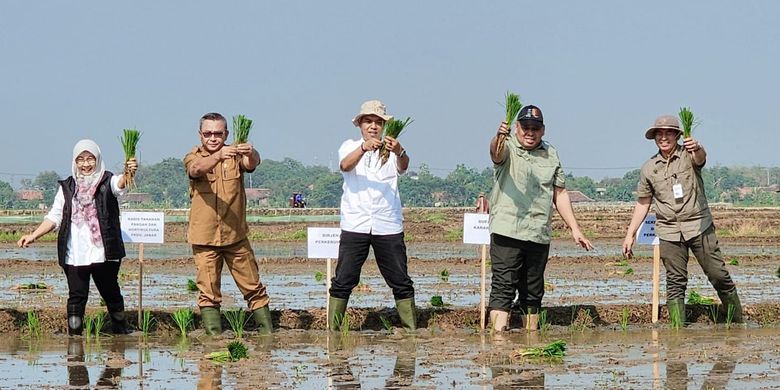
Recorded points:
(553, 350)
(183, 320)
(385, 322)
(146, 322)
(192, 286)
(33, 324)
(236, 351)
(237, 319)
(624, 315)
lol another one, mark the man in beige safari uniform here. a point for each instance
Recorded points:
(218, 228)
(528, 180)
(672, 177)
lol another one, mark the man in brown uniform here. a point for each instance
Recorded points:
(672, 177)
(218, 228)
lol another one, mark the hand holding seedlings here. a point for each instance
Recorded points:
(244, 149)
(393, 145)
(228, 152)
(371, 144)
(691, 145)
(503, 130)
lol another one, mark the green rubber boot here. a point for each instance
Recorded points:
(731, 300)
(262, 318)
(676, 308)
(408, 313)
(337, 308)
(212, 320)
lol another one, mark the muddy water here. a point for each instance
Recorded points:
(643, 358)
(423, 251)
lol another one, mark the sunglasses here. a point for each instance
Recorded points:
(215, 134)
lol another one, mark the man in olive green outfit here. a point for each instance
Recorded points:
(529, 180)
(218, 228)
(672, 177)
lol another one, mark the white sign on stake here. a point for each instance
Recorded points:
(142, 227)
(323, 242)
(646, 233)
(476, 229)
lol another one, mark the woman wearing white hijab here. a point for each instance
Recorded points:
(89, 242)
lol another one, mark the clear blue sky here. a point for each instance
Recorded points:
(601, 71)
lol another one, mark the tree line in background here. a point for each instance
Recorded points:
(167, 185)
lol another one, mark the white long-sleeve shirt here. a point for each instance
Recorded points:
(81, 250)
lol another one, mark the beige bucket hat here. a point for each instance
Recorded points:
(371, 107)
(663, 122)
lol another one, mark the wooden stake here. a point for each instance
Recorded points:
(482, 288)
(656, 279)
(327, 293)
(140, 284)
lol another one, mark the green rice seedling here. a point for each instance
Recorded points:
(437, 301)
(319, 276)
(512, 107)
(129, 141)
(624, 316)
(621, 263)
(192, 286)
(444, 275)
(553, 350)
(694, 298)
(675, 320)
(146, 322)
(33, 324)
(393, 128)
(237, 319)
(236, 351)
(99, 322)
(733, 261)
(729, 315)
(102, 302)
(183, 319)
(89, 325)
(628, 271)
(544, 323)
(687, 121)
(343, 322)
(386, 323)
(241, 127)
(714, 313)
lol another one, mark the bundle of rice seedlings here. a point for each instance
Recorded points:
(687, 121)
(129, 141)
(556, 349)
(694, 298)
(393, 128)
(241, 127)
(236, 351)
(513, 107)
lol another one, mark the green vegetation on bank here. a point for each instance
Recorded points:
(166, 184)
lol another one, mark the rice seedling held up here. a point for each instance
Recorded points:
(241, 127)
(33, 324)
(129, 141)
(237, 319)
(513, 106)
(687, 121)
(393, 128)
(183, 319)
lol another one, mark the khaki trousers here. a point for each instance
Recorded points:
(240, 260)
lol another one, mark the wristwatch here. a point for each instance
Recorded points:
(403, 153)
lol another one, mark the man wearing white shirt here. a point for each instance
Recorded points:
(371, 216)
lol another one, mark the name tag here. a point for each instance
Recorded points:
(677, 190)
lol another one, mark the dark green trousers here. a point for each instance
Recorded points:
(518, 266)
(707, 252)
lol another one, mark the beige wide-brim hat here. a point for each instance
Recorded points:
(371, 107)
(663, 122)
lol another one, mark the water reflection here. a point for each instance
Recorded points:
(78, 375)
(342, 348)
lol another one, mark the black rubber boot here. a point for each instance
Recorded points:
(119, 323)
(75, 320)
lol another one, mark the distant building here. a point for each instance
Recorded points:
(579, 197)
(30, 195)
(136, 198)
(257, 197)
(745, 191)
